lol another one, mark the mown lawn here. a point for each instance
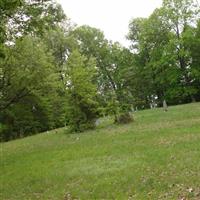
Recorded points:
(156, 157)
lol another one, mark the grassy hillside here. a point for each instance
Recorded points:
(156, 157)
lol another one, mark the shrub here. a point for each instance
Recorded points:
(124, 118)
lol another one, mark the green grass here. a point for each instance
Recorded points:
(155, 157)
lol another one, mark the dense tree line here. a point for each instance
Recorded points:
(168, 52)
(54, 73)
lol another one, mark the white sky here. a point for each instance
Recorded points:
(111, 16)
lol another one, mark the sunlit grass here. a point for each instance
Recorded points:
(155, 157)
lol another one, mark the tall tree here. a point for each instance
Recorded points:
(27, 79)
(111, 65)
(179, 15)
(32, 98)
(82, 92)
(163, 57)
(35, 17)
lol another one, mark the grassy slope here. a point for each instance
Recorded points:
(156, 157)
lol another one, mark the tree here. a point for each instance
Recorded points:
(163, 57)
(35, 17)
(192, 41)
(7, 9)
(27, 83)
(179, 15)
(112, 61)
(91, 43)
(149, 38)
(82, 92)
(120, 62)
(32, 97)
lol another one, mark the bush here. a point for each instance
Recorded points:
(124, 118)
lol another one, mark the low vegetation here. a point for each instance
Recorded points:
(155, 157)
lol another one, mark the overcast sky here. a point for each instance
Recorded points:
(111, 16)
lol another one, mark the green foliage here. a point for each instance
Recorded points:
(35, 17)
(113, 62)
(82, 92)
(164, 61)
(26, 69)
(7, 9)
(32, 98)
(28, 86)
(53, 73)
